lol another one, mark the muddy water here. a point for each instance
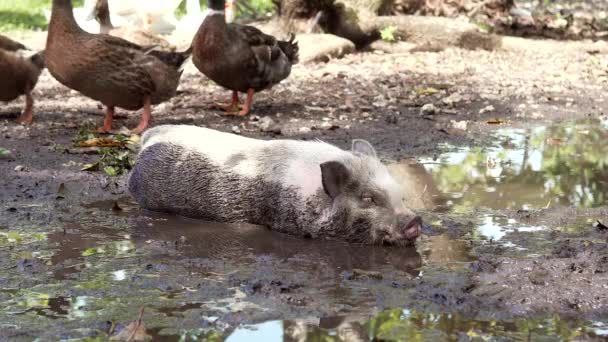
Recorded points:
(89, 275)
(410, 325)
(528, 168)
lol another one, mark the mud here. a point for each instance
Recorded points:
(512, 250)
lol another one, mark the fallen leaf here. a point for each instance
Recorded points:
(90, 167)
(426, 91)
(134, 139)
(100, 142)
(496, 122)
(116, 207)
(554, 141)
(135, 331)
(83, 150)
(111, 171)
(61, 192)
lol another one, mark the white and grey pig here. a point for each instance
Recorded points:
(306, 188)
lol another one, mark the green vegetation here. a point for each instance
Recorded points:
(252, 8)
(115, 157)
(22, 15)
(29, 14)
(553, 166)
(25, 14)
(388, 33)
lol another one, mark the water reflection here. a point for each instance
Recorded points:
(411, 325)
(419, 188)
(536, 167)
(242, 243)
(42, 304)
(446, 251)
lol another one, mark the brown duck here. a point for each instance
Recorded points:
(101, 13)
(240, 58)
(109, 69)
(19, 75)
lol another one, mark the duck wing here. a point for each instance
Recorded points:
(118, 61)
(174, 59)
(266, 47)
(10, 45)
(252, 35)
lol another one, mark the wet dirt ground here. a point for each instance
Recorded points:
(503, 153)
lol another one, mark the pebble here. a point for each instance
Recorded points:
(428, 109)
(265, 123)
(487, 109)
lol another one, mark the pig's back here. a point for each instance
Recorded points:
(203, 173)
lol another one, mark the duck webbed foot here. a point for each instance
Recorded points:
(231, 107)
(146, 116)
(246, 107)
(107, 121)
(27, 117)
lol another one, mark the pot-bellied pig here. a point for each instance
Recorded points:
(311, 189)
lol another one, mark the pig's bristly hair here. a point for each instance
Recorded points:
(206, 174)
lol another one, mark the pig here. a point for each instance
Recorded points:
(306, 188)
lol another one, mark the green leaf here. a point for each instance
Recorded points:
(388, 33)
(91, 167)
(111, 171)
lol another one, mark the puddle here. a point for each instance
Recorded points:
(409, 325)
(191, 274)
(529, 168)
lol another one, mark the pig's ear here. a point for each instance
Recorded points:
(335, 176)
(363, 147)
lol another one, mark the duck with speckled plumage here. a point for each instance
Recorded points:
(19, 74)
(239, 57)
(109, 69)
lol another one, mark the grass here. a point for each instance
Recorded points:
(25, 14)
(261, 7)
(18, 15)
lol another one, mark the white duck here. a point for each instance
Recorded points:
(189, 23)
(157, 16)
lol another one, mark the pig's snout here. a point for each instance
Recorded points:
(409, 228)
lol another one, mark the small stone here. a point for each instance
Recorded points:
(343, 118)
(486, 109)
(6, 155)
(20, 168)
(462, 125)
(304, 130)
(453, 99)
(265, 123)
(428, 109)
(236, 130)
(380, 102)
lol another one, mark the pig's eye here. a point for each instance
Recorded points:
(367, 199)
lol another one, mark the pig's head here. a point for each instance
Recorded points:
(367, 202)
